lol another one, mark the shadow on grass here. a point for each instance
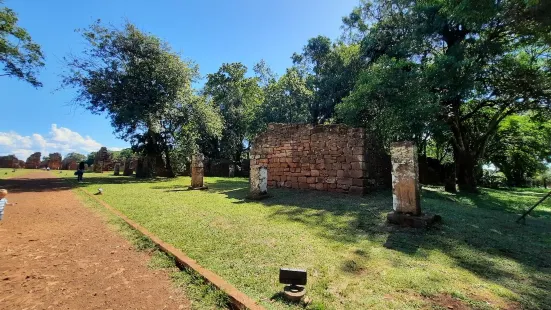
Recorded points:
(478, 231)
(64, 183)
(508, 201)
(34, 185)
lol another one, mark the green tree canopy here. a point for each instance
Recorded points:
(478, 61)
(237, 98)
(20, 57)
(286, 100)
(330, 70)
(143, 86)
(77, 157)
(90, 158)
(521, 148)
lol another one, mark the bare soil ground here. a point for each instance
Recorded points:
(57, 254)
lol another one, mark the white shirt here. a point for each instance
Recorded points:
(3, 203)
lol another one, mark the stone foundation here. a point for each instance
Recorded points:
(407, 220)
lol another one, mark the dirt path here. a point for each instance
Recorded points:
(57, 254)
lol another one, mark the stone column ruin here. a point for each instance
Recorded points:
(258, 180)
(406, 200)
(405, 178)
(117, 169)
(197, 172)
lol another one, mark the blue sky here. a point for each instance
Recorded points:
(208, 32)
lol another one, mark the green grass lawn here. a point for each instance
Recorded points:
(479, 257)
(6, 173)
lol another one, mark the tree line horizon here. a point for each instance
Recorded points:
(468, 81)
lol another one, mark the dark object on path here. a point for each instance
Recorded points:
(296, 279)
(523, 217)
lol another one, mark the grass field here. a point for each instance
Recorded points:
(6, 173)
(479, 258)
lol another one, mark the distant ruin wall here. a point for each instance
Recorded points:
(324, 157)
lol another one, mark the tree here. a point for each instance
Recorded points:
(77, 157)
(237, 98)
(286, 100)
(123, 154)
(481, 61)
(543, 177)
(19, 55)
(90, 159)
(389, 102)
(330, 70)
(143, 86)
(520, 148)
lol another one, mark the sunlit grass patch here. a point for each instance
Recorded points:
(478, 257)
(6, 173)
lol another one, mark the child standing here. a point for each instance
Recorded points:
(79, 174)
(4, 202)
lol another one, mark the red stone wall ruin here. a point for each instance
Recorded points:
(324, 157)
(33, 162)
(55, 161)
(9, 161)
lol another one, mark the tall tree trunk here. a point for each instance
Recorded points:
(465, 159)
(169, 169)
(466, 164)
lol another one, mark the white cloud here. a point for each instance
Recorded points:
(59, 139)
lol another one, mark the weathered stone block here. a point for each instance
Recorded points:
(197, 172)
(415, 221)
(360, 165)
(356, 174)
(344, 181)
(357, 151)
(258, 182)
(405, 178)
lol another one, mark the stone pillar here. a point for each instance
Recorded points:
(406, 200)
(128, 169)
(117, 169)
(258, 181)
(197, 171)
(405, 178)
